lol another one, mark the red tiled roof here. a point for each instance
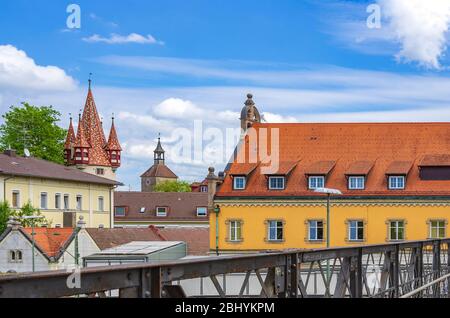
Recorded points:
(108, 238)
(94, 133)
(196, 238)
(320, 168)
(384, 144)
(243, 169)
(71, 138)
(38, 168)
(440, 160)
(285, 168)
(81, 140)
(399, 167)
(181, 206)
(160, 171)
(359, 168)
(113, 141)
(50, 240)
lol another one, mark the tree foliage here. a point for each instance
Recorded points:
(173, 186)
(36, 129)
(6, 212)
(29, 210)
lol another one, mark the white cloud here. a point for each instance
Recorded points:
(411, 30)
(420, 27)
(177, 108)
(18, 71)
(123, 39)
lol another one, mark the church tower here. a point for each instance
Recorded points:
(88, 149)
(158, 173)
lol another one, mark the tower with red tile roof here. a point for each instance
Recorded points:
(157, 173)
(88, 149)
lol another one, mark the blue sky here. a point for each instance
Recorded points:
(161, 65)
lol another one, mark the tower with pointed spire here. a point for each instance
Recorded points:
(157, 173)
(88, 149)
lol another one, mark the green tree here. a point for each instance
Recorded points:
(29, 210)
(36, 129)
(5, 213)
(173, 186)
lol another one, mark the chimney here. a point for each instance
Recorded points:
(13, 224)
(10, 153)
(81, 224)
(212, 180)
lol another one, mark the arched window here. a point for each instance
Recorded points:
(12, 256)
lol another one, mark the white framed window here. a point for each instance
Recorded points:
(66, 202)
(101, 204)
(79, 202)
(396, 230)
(161, 212)
(316, 182)
(315, 230)
(120, 211)
(277, 183)
(397, 182)
(357, 183)
(202, 211)
(356, 230)
(100, 171)
(239, 183)
(275, 231)
(15, 256)
(58, 201)
(437, 229)
(235, 231)
(44, 201)
(142, 211)
(204, 189)
(16, 199)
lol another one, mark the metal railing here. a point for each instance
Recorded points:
(387, 271)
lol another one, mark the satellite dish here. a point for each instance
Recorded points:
(27, 153)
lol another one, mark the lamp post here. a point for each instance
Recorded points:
(329, 193)
(32, 217)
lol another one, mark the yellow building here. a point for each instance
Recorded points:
(394, 179)
(61, 193)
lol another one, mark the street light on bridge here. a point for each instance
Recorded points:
(329, 193)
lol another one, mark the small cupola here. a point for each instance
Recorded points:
(159, 153)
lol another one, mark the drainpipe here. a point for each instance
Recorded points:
(217, 211)
(4, 187)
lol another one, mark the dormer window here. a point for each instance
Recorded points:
(277, 183)
(239, 183)
(356, 183)
(204, 189)
(316, 182)
(397, 182)
(202, 211)
(161, 212)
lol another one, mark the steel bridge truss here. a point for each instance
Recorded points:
(408, 269)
